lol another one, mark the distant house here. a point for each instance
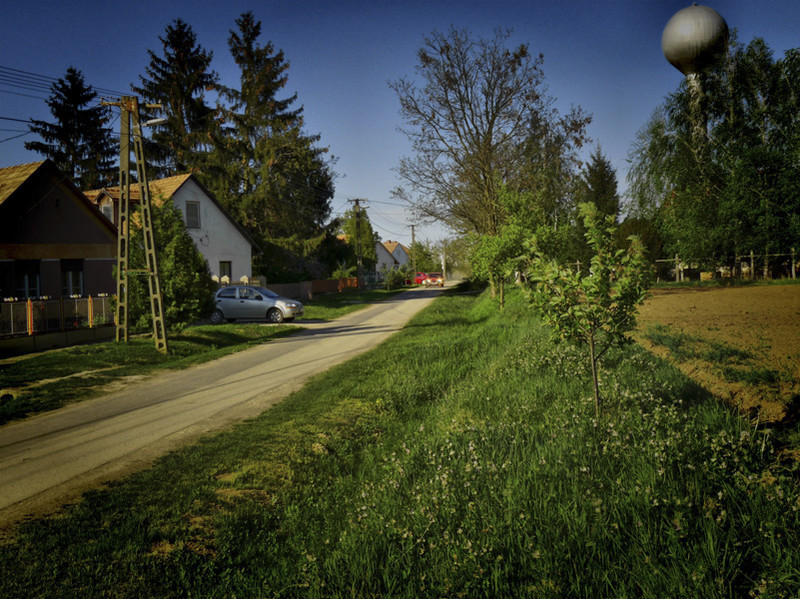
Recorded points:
(53, 240)
(220, 239)
(391, 254)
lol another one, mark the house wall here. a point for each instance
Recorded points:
(400, 255)
(385, 259)
(44, 221)
(217, 239)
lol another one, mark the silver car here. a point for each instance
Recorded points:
(246, 302)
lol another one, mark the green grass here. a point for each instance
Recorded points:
(330, 306)
(50, 380)
(459, 459)
(81, 372)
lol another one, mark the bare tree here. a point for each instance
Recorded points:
(470, 125)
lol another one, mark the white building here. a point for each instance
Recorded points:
(220, 239)
(391, 254)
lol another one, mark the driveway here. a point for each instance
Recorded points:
(50, 459)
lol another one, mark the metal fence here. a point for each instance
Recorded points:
(47, 315)
(743, 266)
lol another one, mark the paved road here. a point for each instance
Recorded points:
(51, 459)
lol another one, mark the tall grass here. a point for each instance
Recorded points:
(459, 459)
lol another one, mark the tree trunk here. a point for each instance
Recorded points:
(502, 293)
(594, 377)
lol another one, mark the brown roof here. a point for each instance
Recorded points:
(164, 188)
(391, 246)
(13, 176)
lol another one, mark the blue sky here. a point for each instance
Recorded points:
(604, 56)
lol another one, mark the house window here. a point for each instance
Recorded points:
(108, 211)
(71, 277)
(26, 278)
(192, 215)
(225, 269)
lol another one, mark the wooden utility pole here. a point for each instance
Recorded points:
(358, 238)
(413, 255)
(129, 107)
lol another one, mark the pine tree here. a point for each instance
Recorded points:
(79, 141)
(270, 174)
(178, 81)
(598, 186)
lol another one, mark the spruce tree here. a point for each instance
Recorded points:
(178, 81)
(269, 174)
(274, 178)
(79, 141)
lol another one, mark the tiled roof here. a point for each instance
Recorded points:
(391, 246)
(164, 188)
(13, 176)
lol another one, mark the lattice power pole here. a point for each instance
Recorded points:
(129, 106)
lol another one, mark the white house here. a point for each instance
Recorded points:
(220, 239)
(391, 254)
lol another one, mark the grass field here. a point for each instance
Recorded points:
(460, 458)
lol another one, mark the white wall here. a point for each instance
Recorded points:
(217, 238)
(385, 259)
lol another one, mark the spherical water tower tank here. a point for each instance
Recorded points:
(693, 38)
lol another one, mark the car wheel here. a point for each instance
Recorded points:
(217, 317)
(274, 315)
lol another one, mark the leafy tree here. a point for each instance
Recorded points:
(424, 257)
(178, 81)
(79, 141)
(186, 283)
(360, 237)
(495, 257)
(731, 188)
(471, 127)
(595, 310)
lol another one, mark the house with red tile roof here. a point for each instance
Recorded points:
(53, 240)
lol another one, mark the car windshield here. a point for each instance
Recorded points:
(266, 292)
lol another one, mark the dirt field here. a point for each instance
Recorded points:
(756, 330)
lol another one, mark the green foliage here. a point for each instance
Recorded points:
(79, 141)
(178, 80)
(424, 257)
(482, 482)
(186, 284)
(713, 168)
(495, 257)
(396, 276)
(270, 175)
(481, 119)
(360, 237)
(597, 309)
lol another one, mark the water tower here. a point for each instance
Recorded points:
(693, 39)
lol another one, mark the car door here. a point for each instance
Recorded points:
(251, 304)
(228, 302)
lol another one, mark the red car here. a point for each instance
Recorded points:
(420, 278)
(434, 278)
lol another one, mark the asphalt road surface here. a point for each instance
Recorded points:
(50, 459)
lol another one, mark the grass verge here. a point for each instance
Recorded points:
(460, 458)
(330, 306)
(84, 371)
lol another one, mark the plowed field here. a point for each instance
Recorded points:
(741, 343)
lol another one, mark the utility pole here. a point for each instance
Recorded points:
(413, 255)
(358, 238)
(129, 107)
